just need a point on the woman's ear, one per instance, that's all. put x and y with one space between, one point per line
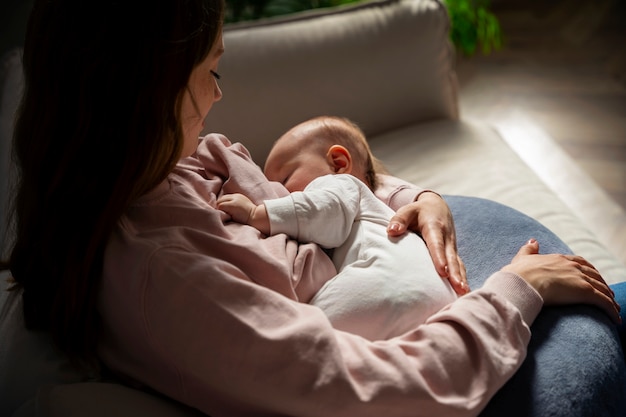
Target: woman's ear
339 159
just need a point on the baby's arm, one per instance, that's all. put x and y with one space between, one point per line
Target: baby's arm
242 210
323 213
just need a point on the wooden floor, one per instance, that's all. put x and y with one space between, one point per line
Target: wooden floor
557 92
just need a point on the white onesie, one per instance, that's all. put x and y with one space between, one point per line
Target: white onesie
385 286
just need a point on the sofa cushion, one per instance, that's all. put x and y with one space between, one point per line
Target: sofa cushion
383 64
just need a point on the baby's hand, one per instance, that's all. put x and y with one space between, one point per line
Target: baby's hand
244 211
238 206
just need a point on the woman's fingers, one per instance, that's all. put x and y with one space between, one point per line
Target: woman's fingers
603 296
598 294
457 275
399 222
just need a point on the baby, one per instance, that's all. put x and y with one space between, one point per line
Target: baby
384 286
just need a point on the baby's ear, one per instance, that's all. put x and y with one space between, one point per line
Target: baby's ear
339 159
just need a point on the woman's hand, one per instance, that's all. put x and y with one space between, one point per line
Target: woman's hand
430 216
563 279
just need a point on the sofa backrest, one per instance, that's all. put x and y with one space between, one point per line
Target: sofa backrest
384 64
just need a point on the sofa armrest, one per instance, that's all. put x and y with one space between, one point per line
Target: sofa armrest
384 64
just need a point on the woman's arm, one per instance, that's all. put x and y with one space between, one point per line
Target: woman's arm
226 346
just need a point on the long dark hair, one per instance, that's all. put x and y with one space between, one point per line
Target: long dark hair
98 126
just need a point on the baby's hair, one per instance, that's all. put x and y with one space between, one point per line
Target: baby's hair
336 130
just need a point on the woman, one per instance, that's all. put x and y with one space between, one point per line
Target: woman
122 256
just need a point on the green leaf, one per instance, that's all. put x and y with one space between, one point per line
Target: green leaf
472 25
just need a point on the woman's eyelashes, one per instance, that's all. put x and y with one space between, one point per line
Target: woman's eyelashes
215 74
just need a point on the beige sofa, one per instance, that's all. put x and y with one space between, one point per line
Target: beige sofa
387 65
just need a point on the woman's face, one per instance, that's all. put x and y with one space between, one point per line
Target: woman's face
202 92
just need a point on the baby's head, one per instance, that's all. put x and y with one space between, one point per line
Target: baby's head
320 146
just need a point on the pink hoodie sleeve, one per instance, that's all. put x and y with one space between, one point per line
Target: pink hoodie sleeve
232 348
396 192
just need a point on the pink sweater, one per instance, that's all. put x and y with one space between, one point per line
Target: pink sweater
214 314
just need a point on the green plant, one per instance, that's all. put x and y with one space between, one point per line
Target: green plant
473 25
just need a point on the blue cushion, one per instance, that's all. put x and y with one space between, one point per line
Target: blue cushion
620 296
575 364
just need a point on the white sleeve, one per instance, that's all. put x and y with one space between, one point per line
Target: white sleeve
323 213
